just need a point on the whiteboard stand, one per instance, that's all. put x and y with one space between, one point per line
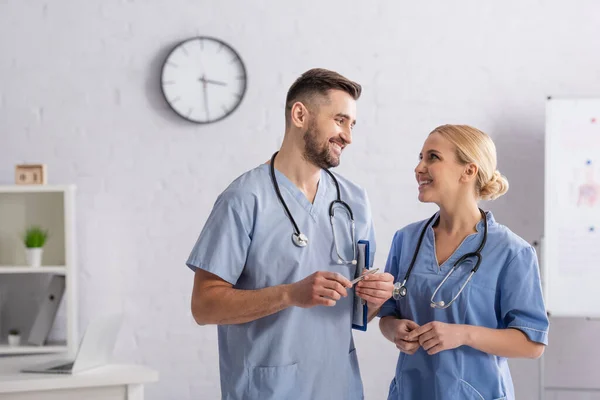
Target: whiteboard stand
541 360
542 380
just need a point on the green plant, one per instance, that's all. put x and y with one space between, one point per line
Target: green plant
35 237
13 332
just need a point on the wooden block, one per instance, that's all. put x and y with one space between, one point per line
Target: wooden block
30 174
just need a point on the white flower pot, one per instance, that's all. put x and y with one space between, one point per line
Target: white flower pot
14 340
34 256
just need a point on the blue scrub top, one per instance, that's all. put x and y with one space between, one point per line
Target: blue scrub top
297 353
504 293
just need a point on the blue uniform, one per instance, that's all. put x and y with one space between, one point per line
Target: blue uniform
297 353
504 293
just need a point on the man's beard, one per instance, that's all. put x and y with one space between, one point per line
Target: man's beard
315 153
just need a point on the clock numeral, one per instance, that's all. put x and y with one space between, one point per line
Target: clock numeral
171 64
220 48
184 50
239 78
235 59
189 112
168 82
176 99
201 43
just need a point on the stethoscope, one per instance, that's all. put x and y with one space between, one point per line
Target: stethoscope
400 290
300 238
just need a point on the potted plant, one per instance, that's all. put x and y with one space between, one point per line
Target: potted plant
14 337
34 238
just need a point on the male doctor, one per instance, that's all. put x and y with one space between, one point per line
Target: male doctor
269 269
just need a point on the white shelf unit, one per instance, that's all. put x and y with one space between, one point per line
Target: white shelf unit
52 207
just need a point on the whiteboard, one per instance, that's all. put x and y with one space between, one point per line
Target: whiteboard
571 246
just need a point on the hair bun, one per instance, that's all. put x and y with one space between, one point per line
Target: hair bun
495 187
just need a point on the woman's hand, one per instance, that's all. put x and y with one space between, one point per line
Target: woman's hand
397 331
439 336
376 289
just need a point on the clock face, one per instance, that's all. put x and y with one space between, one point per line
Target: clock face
203 79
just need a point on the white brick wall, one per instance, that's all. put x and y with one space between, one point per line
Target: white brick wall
79 91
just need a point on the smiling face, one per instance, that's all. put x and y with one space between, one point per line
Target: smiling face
329 129
441 177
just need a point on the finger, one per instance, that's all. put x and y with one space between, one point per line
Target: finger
335 285
428 344
412 325
375 285
369 299
404 336
385 277
407 347
373 292
426 336
334 276
412 349
329 293
409 326
419 331
435 349
323 301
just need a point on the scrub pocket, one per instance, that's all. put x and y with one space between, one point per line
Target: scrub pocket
467 391
273 383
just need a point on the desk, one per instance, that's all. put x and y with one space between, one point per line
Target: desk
112 381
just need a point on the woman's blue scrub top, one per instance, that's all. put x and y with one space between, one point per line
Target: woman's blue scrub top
504 293
297 353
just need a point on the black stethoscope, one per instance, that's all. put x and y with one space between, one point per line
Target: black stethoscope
400 288
300 238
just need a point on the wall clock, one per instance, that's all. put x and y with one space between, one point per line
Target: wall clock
203 79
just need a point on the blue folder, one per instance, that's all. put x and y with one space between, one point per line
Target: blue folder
360 311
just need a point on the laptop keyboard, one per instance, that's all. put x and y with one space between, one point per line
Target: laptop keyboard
64 367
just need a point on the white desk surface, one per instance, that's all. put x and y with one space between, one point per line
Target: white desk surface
11 380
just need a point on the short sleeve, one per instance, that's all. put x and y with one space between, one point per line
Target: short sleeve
222 247
521 299
392 266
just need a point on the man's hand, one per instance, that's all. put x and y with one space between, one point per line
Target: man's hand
323 288
439 336
376 289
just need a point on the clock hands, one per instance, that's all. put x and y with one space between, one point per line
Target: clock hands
205 81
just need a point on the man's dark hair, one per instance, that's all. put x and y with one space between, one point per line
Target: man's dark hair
318 81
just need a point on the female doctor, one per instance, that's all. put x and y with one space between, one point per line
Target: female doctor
468 293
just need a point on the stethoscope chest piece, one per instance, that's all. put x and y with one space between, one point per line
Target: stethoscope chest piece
299 239
402 291
399 291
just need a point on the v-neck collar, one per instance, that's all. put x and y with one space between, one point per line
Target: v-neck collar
443 268
297 194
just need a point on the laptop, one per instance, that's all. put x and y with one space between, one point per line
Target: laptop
95 348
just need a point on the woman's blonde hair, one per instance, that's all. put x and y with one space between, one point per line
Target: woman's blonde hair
474 146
